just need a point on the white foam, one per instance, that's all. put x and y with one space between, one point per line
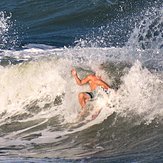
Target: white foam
140 94
49 75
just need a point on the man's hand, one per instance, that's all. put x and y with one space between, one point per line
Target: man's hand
73 72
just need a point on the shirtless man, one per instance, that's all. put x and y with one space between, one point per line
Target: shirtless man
94 82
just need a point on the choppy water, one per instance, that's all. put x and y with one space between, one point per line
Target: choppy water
40 42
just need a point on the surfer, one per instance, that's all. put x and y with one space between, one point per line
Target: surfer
94 82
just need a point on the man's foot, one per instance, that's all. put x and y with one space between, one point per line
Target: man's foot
96 114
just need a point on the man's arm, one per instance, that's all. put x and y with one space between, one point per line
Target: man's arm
104 85
78 81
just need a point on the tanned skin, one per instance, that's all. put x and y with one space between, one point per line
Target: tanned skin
94 82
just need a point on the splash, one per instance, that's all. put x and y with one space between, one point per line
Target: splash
8 35
4 27
141 94
148 34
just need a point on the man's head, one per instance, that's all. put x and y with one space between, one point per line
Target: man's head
100 72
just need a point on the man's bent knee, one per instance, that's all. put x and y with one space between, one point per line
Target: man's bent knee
81 95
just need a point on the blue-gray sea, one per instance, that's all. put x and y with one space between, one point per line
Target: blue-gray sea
41 41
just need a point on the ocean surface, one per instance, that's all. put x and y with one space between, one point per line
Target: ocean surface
40 42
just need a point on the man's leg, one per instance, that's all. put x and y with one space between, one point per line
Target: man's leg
83 98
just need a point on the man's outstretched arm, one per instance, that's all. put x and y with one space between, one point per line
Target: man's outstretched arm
78 81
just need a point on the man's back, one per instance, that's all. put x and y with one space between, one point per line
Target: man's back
95 81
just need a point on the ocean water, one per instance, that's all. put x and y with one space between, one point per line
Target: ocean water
40 42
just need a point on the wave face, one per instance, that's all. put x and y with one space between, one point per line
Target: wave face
119 40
